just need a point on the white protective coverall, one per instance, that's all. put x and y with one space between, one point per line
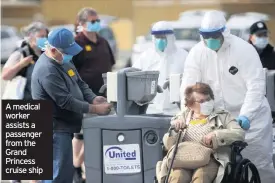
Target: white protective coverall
242 93
170 61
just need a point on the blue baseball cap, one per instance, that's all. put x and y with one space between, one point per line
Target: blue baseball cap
64 39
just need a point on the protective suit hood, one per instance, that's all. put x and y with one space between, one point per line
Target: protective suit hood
214 21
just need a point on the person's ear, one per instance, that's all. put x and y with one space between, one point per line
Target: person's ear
53 50
83 24
250 37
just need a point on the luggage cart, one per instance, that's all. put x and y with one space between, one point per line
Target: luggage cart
125 147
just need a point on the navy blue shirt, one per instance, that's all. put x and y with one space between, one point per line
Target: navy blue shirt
62 85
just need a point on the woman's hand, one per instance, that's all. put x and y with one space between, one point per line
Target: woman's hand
178 124
207 139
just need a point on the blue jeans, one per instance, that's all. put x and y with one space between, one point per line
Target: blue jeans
63 169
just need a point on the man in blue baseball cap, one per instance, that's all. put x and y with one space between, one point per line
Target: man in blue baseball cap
56 79
64 40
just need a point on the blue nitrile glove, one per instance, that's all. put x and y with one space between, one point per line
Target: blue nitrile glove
244 122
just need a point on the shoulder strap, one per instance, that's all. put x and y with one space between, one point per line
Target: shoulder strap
24 50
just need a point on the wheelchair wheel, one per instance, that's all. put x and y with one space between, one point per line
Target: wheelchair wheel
255 177
246 172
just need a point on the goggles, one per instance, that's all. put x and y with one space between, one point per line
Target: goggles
214 33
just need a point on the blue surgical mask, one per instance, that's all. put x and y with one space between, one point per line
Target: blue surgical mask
41 43
93 27
261 42
161 44
65 57
213 44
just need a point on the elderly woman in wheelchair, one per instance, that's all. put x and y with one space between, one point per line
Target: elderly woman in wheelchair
204 140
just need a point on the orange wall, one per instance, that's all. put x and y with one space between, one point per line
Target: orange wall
18 16
144 16
68 9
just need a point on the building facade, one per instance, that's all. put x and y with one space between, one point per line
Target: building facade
136 15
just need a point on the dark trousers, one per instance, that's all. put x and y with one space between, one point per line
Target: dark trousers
63 169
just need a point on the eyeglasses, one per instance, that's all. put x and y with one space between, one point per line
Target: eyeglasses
94 21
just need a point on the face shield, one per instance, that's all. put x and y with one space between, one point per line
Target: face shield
163 37
160 39
213 39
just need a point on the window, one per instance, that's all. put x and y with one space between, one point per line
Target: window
106 33
236 32
187 34
4 34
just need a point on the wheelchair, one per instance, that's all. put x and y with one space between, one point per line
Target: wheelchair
237 170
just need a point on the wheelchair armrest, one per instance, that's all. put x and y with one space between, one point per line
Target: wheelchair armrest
236 149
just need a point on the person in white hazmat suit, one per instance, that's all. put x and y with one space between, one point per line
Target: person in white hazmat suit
164 56
234 71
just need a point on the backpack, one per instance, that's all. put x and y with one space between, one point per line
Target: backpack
25 51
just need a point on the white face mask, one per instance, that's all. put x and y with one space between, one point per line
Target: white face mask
207 107
261 42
